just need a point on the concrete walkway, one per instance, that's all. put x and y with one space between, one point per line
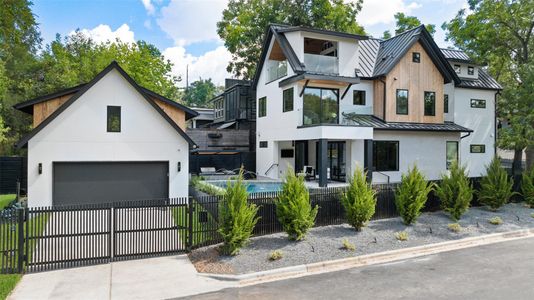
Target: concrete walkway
153 278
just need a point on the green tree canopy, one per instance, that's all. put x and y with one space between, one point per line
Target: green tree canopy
200 92
499 33
404 23
244 22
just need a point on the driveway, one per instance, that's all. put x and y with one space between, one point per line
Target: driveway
154 278
498 271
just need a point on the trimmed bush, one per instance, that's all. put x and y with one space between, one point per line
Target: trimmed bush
293 207
347 245
237 217
527 186
411 195
359 201
276 255
455 191
455 227
496 186
495 221
401 236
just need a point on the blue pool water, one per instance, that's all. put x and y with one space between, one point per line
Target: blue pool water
254 187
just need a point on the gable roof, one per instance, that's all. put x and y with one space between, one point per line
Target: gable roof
84 88
456 55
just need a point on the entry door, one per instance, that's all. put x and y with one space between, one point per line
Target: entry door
336 160
301 155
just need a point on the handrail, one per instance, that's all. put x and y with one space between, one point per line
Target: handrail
387 176
269 169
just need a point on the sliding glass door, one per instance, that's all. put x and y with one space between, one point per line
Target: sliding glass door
321 106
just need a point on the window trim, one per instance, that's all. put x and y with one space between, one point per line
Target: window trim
260 107
407 102
364 97
397 162
263 144
445 103
483 148
470 70
292 99
434 104
335 91
108 115
416 57
457 152
473 105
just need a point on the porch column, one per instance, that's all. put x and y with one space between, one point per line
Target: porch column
368 159
323 162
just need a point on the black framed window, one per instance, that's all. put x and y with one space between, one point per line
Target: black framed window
385 156
402 102
446 103
470 70
321 106
451 152
477 148
114 119
262 107
478 103
358 98
287 101
263 144
416 57
430 103
457 69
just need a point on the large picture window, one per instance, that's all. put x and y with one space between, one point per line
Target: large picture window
386 156
402 102
430 103
287 101
114 119
452 152
262 107
321 106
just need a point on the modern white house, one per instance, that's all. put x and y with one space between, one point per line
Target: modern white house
327 101
106 140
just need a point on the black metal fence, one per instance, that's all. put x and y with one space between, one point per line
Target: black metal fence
12 170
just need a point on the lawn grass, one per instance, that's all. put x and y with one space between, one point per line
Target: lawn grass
8 283
203 232
6 199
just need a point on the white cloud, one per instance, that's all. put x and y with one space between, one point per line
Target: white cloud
191 21
147 24
378 12
103 33
211 64
150 9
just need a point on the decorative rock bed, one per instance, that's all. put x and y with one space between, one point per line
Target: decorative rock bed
325 243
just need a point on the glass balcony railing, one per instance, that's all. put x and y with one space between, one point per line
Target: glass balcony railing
276 69
321 64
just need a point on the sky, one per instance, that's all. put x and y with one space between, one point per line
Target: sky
185 30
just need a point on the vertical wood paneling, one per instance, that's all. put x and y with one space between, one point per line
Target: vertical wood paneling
43 110
176 114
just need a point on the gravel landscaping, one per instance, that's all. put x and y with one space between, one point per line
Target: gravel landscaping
325 243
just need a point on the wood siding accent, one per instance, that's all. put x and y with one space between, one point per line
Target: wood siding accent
378 99
43 110
416 78
176 114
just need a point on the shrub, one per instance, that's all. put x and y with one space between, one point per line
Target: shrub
276 255
532 215
237 217
455 191
495 221
195 180
347 245
527 186
496 186
209 188
359 200
411 195
293 207
401 235
455 227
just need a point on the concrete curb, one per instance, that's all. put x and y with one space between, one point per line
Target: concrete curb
370 259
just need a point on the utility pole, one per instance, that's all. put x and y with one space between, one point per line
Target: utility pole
186 77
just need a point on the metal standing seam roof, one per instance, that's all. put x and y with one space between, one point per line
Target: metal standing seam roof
456 55
376 123
368 52
484 81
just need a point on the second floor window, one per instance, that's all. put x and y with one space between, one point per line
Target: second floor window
359 98
287 101
262 107
470 70
114 119
446 103
321 106
416 57
430 103
457 69
402 102
478 103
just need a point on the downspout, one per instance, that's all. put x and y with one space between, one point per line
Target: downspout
384 98
495 123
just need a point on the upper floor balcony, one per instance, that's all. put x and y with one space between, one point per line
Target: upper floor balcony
322 64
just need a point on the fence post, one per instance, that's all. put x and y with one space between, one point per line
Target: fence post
189 243
21 238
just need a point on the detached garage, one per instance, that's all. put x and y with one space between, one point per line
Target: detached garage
104 141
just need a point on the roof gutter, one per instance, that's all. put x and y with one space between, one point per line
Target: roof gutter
384 108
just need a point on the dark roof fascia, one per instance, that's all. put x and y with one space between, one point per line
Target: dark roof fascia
190 113
27 106
460 86
325 32
290 54
471 62
111 66
309 76
423 129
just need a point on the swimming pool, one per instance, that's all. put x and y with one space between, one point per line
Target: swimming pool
253 186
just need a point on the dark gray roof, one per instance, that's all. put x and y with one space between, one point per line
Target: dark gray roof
456 55
376 123
368 51
314 76
321 31
484 81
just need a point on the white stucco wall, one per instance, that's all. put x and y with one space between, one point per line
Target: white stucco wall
426 149
79 134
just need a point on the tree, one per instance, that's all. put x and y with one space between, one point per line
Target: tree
359 200
404 23
496 186
386 35
499 33
244 22
455 191
200 93
411 195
